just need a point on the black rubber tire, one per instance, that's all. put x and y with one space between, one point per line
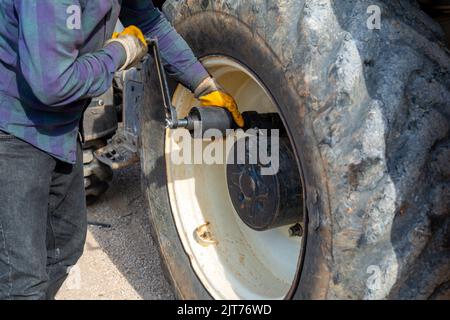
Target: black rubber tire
97 176
369 110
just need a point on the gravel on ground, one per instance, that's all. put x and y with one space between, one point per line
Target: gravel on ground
120 260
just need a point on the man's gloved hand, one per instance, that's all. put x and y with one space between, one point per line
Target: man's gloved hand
133 41
211 94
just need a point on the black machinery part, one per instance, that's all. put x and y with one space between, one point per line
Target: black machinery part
266 202
202 119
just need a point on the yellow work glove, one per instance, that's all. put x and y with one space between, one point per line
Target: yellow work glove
211 95
133 41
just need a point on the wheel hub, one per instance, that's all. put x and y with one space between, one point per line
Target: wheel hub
265 202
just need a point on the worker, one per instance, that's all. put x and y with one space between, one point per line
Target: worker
54 57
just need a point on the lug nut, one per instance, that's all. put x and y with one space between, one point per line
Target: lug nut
296 231
203 235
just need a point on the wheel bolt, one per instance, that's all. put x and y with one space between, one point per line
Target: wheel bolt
296 231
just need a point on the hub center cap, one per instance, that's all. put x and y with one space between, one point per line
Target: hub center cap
265 201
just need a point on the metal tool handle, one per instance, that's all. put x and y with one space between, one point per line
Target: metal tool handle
171 113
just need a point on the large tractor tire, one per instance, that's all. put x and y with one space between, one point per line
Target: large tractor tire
367 112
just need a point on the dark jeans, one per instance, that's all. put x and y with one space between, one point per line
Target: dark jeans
42 220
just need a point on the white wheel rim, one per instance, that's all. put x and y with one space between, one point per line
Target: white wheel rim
244 264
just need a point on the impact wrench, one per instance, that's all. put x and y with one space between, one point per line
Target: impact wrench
206 117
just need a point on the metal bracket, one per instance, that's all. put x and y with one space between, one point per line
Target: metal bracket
119 153
133 91
122 149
